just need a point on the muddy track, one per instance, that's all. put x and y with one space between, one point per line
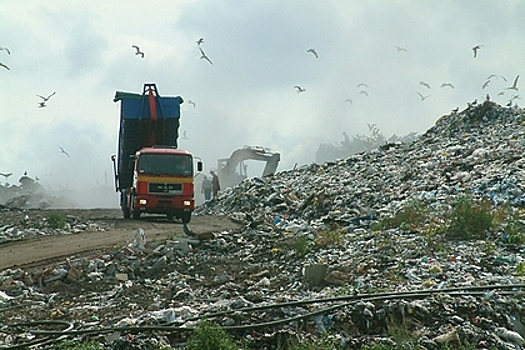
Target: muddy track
44 250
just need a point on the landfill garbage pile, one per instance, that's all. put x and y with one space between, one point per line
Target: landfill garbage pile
18 224
420 242
30 195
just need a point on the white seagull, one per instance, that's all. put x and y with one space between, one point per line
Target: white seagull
399 48
423 98
6 175
313 52
46 98
363 92
200 41
5 66
447 84
203 56
137 51
299 89
6 49
191 103
63 151
514 85
424 84
476 49
496 76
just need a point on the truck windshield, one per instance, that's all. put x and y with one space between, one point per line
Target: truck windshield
165 164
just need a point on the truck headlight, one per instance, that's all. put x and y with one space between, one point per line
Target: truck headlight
186 203
143 201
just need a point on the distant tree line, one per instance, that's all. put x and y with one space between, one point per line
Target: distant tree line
358 143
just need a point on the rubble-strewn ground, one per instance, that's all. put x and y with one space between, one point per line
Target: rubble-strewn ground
419 244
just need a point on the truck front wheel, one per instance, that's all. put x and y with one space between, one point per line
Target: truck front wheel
136 214
185 217
124 205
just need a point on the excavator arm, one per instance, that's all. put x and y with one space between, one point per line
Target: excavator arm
227 171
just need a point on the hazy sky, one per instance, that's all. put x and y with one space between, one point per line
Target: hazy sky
82 50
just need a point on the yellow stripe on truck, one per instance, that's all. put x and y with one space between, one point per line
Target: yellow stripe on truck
167 180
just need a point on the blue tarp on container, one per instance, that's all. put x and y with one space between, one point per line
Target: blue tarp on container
134 106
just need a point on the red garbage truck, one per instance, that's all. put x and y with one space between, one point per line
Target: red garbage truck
151 174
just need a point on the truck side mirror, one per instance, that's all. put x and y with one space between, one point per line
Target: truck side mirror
199 166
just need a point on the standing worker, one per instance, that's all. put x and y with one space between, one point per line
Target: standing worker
206 188
215 185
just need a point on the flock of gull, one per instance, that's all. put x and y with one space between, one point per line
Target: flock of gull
361 86
300 89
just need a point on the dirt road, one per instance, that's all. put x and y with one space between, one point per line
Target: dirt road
45 249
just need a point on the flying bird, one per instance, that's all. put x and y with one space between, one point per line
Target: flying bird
514 85
313 52
447 84
476 49
3 65
371 127
46 98
361 84
203 56
485 84
363 92
423 98
399 48
64 151
42 104
200 41
299 89
496 76
137 51
5 49
191 103
349 101
6 175
501 93
184 136
424 84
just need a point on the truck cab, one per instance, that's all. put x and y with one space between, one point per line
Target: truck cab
163 182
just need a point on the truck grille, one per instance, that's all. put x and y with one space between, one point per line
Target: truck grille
165 188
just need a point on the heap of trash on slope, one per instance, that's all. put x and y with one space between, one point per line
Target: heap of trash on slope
320 255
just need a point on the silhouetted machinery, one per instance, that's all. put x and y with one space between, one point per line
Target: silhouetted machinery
233 170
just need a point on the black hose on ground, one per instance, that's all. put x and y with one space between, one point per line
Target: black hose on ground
350 299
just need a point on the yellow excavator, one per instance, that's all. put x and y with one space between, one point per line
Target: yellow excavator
233 170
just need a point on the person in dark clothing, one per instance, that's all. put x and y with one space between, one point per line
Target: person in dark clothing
206 188
215 185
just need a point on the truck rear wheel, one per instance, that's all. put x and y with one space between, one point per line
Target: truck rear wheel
124 205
